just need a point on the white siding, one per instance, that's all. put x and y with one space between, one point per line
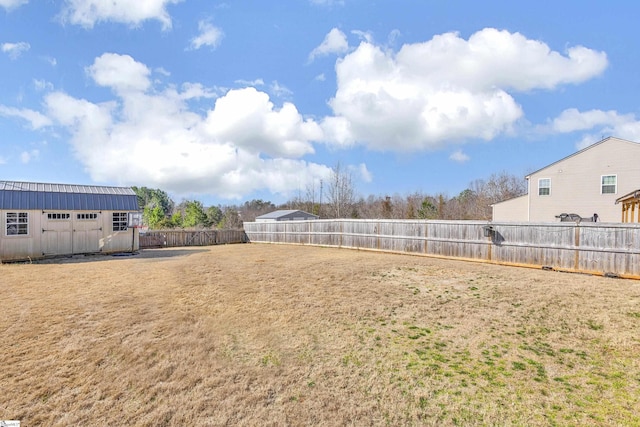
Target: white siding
64 237
512 210
576 182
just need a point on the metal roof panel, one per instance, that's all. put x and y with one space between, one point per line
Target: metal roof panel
34 196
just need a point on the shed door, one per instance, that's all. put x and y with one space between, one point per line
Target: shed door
86 232
57 233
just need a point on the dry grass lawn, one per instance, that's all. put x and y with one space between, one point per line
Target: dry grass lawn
289 335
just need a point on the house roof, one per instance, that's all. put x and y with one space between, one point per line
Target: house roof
284 212
582 151
34 195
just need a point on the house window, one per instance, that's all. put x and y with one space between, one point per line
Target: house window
17 223
119 221
86 216
609 184
544 187
58 216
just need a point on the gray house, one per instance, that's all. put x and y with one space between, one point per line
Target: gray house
585 183
286 215
41 220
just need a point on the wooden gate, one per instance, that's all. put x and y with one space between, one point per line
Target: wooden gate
57 230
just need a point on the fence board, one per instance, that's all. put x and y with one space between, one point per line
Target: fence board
599 248
178 238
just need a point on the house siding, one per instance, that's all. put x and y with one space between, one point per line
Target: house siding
576 182
513 210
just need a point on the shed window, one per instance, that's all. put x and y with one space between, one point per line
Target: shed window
17 223
119 221
86 216
609 184
58 216
544 187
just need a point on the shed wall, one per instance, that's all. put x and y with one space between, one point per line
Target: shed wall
51 237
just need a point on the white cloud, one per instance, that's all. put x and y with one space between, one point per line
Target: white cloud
459 156
120 72
393 37
197 91
12 4
280 91
335 42
320 77
87 13
51 60
498 58
572 120
27 156
208 35
162 71
3 160
362 172
14 50
41 85
256 82
363 35
597 124
445 89
36 120
248 118
243 142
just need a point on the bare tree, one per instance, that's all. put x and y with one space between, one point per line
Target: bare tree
497 188
341 197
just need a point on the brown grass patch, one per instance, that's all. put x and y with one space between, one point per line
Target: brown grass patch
289 335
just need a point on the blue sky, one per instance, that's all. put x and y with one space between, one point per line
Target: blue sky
229 101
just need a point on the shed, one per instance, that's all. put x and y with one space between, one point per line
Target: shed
286 215
630 206
41 220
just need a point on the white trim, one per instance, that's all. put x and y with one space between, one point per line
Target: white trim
602 184
17 223
548 188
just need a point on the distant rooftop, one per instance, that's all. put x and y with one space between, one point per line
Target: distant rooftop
278 214
284 214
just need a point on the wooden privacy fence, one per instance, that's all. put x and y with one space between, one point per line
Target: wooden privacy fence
594 248
176 238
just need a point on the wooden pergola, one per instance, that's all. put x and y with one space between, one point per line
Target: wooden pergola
630 206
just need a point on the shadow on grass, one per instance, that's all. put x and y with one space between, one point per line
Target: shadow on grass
96 257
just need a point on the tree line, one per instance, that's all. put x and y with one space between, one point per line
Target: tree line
339 201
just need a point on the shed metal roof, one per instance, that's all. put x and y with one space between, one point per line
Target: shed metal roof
33 196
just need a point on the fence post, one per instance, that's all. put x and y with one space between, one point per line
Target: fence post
426 237
576 258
